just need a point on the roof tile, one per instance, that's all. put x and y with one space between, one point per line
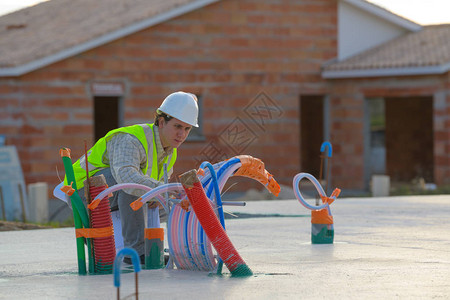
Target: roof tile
52 26
427 47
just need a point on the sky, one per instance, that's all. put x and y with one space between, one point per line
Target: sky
424 12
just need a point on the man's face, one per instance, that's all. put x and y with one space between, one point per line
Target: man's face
173 133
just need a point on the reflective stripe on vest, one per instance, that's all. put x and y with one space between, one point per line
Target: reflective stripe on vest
95 155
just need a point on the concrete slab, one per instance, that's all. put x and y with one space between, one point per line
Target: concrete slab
393 247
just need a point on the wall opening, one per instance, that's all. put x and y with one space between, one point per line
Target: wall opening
311 132
377 136
409 138
107 115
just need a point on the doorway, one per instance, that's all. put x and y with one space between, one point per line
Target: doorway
312 126
409 138
399 138
107 115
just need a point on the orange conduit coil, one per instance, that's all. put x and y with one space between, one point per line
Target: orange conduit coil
254 168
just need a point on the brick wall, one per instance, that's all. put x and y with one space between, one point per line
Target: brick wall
442 133
346 135
228 52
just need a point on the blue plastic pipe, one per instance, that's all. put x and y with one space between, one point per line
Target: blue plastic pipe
118 263
330 148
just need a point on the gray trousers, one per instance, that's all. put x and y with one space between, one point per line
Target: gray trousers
133 223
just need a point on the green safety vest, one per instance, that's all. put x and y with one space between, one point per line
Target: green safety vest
95 155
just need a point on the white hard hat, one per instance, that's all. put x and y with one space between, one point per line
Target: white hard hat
182 106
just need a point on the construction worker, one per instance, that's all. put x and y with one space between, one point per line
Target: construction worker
136 154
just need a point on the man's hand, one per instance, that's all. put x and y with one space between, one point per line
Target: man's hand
185 204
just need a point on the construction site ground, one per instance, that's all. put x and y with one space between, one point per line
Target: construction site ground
384 248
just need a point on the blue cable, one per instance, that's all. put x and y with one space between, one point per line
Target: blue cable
215 185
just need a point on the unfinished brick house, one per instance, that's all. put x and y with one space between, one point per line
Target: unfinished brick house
275 79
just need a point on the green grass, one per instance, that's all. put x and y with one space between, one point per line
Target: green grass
55 224
409 190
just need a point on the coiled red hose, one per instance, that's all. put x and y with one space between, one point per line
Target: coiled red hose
213 229
104 247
